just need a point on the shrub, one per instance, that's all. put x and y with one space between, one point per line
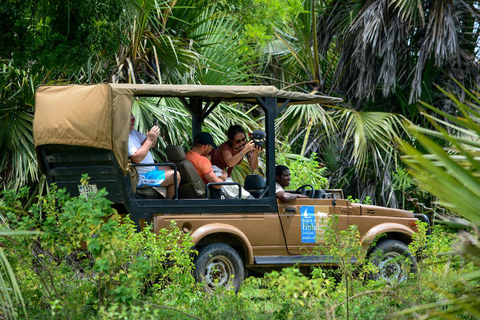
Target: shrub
303 170
58 276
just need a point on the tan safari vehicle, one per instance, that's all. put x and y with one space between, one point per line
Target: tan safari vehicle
84 129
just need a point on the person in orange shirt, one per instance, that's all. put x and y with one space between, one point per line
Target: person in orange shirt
203 145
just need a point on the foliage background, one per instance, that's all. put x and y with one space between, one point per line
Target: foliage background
382 57
330 47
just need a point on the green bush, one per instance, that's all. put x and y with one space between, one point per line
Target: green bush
123 274
367 200
58 276
303 170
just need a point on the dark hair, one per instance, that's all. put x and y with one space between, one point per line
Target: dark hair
280 169
233 130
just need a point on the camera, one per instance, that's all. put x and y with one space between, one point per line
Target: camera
258 137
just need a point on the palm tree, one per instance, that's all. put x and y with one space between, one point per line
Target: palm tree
451 174
399 47
356 146
45 43
17 157
151 54
160 42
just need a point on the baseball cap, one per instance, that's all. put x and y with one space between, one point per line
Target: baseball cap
204 138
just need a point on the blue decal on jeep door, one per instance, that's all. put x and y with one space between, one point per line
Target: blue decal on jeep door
308 224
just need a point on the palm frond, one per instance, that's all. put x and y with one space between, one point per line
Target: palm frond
410 10
174 121
450 173
370 132
152 54
8 281
17 157
216 39
449 170
298 116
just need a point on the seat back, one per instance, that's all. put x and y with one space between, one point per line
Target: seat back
191 185
255 184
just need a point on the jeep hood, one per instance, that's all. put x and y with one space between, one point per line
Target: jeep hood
369 210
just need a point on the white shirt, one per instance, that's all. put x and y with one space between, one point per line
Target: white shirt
135 140
278 188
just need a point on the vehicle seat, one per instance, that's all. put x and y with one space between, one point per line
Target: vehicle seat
152 192
146 192
255 184
191 185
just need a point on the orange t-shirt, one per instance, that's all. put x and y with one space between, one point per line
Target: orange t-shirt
201 164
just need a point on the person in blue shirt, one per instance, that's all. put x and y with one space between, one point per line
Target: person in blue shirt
139 146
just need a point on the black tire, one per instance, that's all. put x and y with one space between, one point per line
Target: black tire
218 264
393 261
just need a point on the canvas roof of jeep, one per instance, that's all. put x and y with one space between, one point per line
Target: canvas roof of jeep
99 115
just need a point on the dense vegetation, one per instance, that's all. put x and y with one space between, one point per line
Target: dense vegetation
293 44
407 70
122 274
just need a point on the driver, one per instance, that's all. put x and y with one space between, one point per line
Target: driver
282 176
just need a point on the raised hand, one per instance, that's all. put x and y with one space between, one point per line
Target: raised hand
152 134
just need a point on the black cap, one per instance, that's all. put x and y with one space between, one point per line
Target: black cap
204 138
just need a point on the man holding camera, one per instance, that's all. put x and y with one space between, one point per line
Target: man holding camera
139 146
232 152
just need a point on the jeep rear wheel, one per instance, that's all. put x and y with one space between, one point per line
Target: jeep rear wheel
393 261
218 264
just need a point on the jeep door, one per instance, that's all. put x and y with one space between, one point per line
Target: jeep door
304 222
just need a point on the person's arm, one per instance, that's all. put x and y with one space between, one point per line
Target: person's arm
253 158
287 196
232 160
211 177
149 142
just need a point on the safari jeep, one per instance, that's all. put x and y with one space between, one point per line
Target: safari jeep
84 129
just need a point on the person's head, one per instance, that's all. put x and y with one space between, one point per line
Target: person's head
282 175
132 121
204 143
236 136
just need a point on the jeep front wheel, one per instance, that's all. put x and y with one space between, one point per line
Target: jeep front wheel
218 264
393 261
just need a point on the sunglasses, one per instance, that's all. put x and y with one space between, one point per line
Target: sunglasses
241 140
